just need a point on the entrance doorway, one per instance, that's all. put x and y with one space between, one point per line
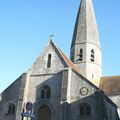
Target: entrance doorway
44 113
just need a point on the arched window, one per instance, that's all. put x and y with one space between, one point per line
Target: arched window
49 61
80 55
92 56
72 55
45 92
11 109
85 110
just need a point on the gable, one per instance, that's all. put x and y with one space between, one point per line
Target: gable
13 90
78 82
41 64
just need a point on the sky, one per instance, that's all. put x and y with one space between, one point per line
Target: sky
26 26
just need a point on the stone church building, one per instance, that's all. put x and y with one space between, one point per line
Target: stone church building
60 88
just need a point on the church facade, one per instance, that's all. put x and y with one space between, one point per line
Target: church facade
59 88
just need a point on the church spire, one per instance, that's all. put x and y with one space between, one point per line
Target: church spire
85 46
85 27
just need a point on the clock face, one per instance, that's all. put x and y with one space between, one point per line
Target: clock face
84 91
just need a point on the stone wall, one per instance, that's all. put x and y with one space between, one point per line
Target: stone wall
116 99
13 94
101 106
41 75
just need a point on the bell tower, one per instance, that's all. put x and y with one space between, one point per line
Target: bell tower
85 46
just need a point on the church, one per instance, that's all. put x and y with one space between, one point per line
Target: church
60 88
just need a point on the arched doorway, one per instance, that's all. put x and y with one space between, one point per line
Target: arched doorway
44 113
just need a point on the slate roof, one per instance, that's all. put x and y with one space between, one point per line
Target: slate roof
110 85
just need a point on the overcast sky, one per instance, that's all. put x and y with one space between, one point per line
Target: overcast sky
25 27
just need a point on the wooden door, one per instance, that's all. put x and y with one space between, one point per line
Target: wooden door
44 113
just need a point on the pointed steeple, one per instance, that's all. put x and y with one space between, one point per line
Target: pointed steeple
85 46
85 27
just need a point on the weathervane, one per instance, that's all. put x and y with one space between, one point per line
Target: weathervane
51 37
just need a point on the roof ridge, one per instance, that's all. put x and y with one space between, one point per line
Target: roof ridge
66 59
110 76
69 62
